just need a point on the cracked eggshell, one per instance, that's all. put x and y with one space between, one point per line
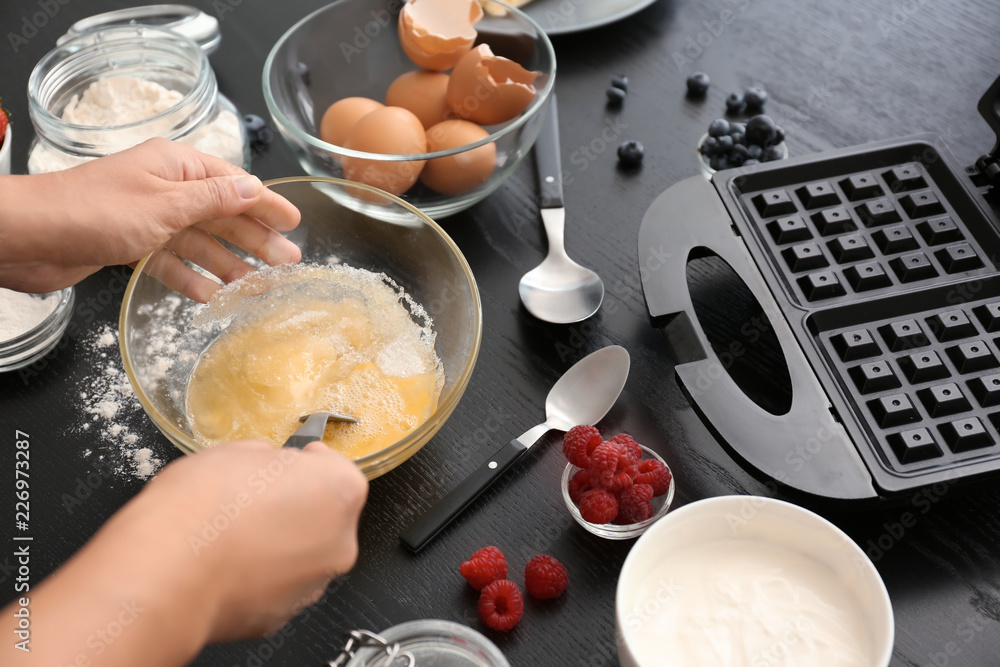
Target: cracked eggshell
462 172
390 131
489 89
435 34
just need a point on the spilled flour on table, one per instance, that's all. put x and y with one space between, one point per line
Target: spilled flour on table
111 418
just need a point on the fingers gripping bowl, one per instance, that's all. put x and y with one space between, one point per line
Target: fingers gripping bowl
161 344
351 49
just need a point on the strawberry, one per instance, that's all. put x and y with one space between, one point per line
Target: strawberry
3 123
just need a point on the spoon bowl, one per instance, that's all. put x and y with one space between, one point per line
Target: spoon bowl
561 291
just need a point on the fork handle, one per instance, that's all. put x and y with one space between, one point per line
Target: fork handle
547 159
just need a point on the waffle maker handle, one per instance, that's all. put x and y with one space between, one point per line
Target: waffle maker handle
806 448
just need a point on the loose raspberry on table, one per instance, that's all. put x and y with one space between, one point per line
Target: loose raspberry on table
633 503
612 466
579 484
501 605
629 443
545 577
655 474
579 443
598 506
484 567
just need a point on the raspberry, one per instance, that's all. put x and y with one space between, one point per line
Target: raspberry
633 504
655 474
579 484
629 443
612 466
579 443
484 567
501 605
598 506
545 577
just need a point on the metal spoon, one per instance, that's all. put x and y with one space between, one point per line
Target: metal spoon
558 290
583 395
313 428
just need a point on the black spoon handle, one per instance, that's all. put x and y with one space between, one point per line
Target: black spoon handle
445 510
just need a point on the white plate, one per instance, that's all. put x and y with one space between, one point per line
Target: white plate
558 17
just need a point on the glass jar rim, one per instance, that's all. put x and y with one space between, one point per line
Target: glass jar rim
100 39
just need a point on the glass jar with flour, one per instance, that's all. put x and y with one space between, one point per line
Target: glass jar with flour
112 88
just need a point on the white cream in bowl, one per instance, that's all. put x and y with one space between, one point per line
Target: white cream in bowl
742 581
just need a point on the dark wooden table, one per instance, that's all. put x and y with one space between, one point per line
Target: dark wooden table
839 74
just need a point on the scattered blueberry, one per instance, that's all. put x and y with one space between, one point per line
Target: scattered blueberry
697 84
302 70
620 82
630 153
615 96
735 104
761 130
710 147
257 130
718 128
755 98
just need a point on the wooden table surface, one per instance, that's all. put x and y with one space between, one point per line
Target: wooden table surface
839 74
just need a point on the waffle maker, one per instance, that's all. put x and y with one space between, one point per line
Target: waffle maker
878 267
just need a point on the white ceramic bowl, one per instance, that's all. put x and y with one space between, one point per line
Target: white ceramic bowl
653 586
5 152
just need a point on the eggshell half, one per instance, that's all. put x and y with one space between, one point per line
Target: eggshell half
435 34
422 92
391 131
489 89
461 172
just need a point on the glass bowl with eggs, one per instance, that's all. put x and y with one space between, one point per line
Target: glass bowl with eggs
436 101
381 321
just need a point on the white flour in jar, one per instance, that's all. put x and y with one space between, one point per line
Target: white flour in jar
20 313
122 100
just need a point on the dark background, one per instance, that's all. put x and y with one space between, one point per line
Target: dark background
839 74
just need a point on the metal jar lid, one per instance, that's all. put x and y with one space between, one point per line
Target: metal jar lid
189 21
425 643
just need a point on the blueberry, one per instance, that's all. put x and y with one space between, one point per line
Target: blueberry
718 128
735 104
755 98
750 162
755 152
772 153
302 70
737 127
739 152
630 153
620 82
779 135
725 145
257 130
760 130
697 84
739 139
719 162
710 147
615 96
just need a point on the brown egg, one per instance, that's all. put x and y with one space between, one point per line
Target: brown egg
435 34
461 172
341 117
422 92
391 131
489 89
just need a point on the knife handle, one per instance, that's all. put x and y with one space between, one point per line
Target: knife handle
547 159
445 510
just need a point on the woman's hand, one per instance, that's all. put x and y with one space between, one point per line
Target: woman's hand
58 228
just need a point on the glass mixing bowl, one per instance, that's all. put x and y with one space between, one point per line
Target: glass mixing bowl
160 345
350 48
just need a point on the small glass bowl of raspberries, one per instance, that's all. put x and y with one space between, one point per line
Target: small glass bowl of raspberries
614 488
